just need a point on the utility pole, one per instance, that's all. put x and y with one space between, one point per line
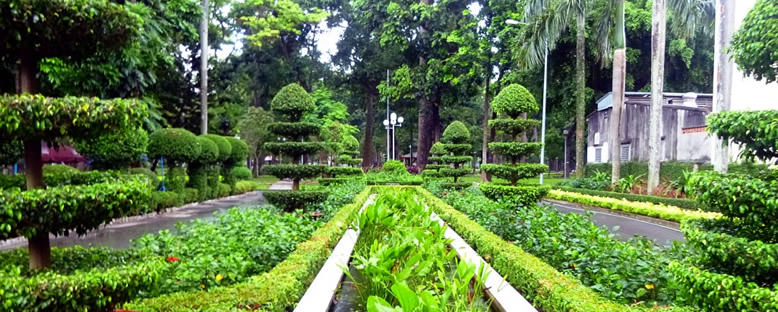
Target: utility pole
204 69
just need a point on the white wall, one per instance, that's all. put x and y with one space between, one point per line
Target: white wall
747 93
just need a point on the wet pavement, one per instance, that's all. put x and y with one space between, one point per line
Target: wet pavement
661 231
119 233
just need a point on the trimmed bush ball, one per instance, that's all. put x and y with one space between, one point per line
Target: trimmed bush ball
241 173
394 166
225 148
514 100
456 133
175 144
240 150
114 150
350 144
209 151
291 103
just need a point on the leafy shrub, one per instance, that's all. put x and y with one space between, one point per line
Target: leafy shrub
176 179
241 173
11 152
514 173
513 127
189 195
456 133
668 171
291 103
344 171
58 172
626 184
229 249
114 150
721 292
150 175
394 167
513 100
209 151
224 146
224 190
245 187
333 181
756 130
526 194
677 202
13 181
294 130
198 179
174 144
626 272
656 210
294 171
280 288
163 200
239 150
350 145
60 210
291 201
294 149
515 150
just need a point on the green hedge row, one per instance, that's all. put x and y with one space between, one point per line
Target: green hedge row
277 290
721 292
668 171
661 211
678 202
547 288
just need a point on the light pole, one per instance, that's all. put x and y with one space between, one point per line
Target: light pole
511 21
565 132
390 124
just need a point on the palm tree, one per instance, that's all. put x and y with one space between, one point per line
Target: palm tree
547 20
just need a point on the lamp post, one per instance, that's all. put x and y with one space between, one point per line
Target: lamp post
390 124
511 21
565 132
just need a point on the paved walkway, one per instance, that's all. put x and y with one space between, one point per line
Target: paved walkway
629 225
119 233
281 185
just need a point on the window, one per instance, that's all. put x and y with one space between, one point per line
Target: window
596 138
625 152
598 155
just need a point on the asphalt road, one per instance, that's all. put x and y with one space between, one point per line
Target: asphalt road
663 232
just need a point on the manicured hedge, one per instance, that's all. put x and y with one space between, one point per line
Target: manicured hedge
545 287
277 290
295 130
292 171
292 200
668 171
665 212
527 194
712 291
163 200
678 202
344 171
175 144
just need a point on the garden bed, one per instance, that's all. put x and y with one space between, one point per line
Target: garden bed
402 262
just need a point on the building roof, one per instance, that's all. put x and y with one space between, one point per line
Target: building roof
606 101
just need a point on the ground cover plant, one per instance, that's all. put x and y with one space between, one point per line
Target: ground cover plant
629 272
513 101
404 263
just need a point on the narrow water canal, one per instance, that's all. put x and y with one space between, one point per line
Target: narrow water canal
120 234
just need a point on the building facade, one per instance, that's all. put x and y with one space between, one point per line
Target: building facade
683 128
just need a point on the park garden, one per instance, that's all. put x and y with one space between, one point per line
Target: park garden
281 201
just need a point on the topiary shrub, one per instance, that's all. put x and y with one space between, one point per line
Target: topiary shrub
291 201
241 173
176 145
291 103
150 175
240 151
736 269
198 168
163 200
514 100
394 167
432 170
189 195
456 138
176 179
225 148
114 150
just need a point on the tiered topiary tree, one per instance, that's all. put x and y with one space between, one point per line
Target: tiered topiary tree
349 148
737 266
289 106
214 172
33 30
198 168
436 163
513 101
456 139
238 154
175 146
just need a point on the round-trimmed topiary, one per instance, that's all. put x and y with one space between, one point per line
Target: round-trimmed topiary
209 151
225 148
174 144
239 151
456 147
394 167
114 150
456 133
514 100
291 103
241 173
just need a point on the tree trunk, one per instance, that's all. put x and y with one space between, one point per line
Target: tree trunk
619 85
367 141
580 100
204 69
658 27
723 67
295 184
428 115
485 124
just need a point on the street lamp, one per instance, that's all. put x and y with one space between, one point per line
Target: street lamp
565 133
511 21
393 122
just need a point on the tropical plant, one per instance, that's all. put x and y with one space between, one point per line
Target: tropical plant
627 184
755 43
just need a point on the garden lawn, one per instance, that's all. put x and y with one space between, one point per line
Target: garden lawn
264 181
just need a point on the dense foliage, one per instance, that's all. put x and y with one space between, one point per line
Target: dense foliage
114 150
758 131
755 44
455 138
175 145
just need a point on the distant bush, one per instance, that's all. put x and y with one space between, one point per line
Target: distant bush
163 200
241 173
394 166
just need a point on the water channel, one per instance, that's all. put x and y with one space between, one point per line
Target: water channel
119 234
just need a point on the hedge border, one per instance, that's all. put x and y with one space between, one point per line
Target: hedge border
536 280
660 211
678 202
276 290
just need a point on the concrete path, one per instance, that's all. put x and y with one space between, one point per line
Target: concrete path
118 233
629 225
281 185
